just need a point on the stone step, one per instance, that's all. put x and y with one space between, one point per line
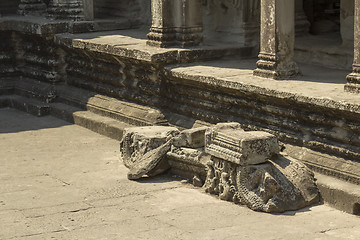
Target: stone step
64 111
7 86
339 194
103 125
124 111
32 106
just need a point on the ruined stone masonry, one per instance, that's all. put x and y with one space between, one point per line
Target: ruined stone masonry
280 69
244 166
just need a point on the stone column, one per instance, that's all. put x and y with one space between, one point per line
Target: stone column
353 79
188 22
175 23
71 9
31 7
277 39
162 31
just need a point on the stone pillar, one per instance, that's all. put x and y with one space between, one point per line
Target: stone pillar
302 24
188 22
31 7
353 79
162 31
175 23
71 9
277 39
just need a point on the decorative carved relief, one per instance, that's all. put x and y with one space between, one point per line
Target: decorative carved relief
275 186
254 176
245 168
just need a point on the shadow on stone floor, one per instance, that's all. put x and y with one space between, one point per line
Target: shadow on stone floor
12 121
162 178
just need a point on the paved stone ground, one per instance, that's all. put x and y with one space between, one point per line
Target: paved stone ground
61 181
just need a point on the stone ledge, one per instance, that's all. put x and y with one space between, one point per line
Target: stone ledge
339 194
48 28
321 90
131 44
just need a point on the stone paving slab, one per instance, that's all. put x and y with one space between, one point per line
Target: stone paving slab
61 181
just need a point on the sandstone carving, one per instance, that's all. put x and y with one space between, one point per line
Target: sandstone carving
152 163
241 147
138 141
244 167
278 185
192 138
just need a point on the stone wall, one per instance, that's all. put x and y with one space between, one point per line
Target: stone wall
117 77
9 6
7 55
38 58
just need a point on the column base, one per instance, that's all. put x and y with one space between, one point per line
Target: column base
161 37
353 81
185 37
189 37
72 10
269 67
36 9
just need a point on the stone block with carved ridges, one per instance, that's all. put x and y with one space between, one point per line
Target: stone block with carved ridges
240 147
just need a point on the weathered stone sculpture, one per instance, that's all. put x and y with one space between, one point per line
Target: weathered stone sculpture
240 166
246 168
31 7
143 149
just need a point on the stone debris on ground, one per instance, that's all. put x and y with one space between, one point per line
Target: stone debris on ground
244 166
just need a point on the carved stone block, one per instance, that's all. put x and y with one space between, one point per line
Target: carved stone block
138 141
246 167
151 163
240 147
279 185
192 138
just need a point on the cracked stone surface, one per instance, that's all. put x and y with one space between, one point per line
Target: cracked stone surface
61 181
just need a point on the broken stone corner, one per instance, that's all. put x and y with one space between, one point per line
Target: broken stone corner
244 167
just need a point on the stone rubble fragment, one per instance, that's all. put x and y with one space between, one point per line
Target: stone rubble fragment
240 166
246 168
241 147
191 138
137 141
151 163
